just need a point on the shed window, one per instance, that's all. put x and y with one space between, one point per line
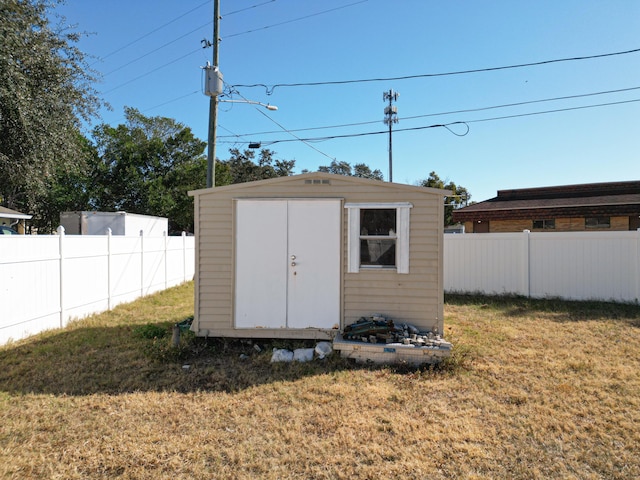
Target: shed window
378 236
597 222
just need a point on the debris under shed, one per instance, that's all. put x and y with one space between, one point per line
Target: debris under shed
380 340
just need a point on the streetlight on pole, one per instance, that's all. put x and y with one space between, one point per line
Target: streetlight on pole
268 106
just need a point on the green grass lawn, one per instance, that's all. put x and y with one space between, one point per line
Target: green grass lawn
534 389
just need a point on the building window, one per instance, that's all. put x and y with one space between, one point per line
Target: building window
378 236
597 222
548 224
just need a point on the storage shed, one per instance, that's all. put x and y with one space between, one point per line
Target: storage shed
304 256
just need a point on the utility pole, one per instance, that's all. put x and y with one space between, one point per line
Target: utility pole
213 99
390 118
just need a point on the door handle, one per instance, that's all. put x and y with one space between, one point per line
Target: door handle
293 257
293 264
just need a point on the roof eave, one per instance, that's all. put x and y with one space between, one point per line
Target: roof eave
547 212
312 175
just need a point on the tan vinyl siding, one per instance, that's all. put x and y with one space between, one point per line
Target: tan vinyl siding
215 258
413 298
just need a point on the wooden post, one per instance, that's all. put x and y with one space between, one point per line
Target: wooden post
175 336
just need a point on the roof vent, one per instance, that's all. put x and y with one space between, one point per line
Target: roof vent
317 181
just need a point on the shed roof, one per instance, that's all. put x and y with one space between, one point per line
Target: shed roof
612 198
8 213
318 177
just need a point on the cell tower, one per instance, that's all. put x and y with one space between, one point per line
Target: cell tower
391 117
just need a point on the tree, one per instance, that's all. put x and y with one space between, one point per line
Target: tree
241 168
344 168
364 171
45 92
460 195
146 166
337 168
67 190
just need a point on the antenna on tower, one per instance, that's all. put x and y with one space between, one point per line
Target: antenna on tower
391 117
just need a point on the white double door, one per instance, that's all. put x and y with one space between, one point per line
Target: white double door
287 263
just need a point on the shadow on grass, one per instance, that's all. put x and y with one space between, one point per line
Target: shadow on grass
559 310
117 360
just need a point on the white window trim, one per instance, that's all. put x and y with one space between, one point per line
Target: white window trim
402 235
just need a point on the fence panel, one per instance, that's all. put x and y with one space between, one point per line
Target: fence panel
585 265
126 267
47 280
572 265
153 264
177 269
29 285
85 275
491 263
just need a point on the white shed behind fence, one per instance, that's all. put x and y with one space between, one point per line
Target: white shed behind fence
120 223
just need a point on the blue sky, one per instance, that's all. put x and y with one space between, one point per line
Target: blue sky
150 55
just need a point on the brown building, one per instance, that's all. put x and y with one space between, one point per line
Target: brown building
569 208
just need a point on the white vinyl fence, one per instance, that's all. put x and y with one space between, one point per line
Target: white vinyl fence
48 280
572 265
45 281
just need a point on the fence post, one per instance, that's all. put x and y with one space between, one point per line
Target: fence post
184 256
526 274
60 231
141 263
109 268
166 261
638 266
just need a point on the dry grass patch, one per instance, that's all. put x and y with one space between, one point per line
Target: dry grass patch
535 389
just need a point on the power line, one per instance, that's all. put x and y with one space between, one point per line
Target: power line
232 134
292 134
364 134
451 112
357 124
247 8
171 101
270 89
175 39
506 105
154 31
152 71
156 49
293 20
446 125
567 109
